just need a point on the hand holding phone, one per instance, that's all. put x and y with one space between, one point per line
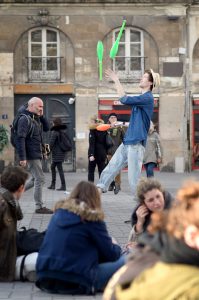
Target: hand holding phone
141 213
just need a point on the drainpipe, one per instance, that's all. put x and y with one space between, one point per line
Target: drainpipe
187 109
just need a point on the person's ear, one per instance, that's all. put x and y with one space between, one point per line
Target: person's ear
190 234
21 189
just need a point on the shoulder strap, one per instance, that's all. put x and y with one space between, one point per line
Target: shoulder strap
31 129
30 123
22 268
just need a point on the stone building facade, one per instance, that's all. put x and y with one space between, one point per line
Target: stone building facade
48 49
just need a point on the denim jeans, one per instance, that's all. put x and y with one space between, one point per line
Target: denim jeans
35 169
117 179
105 272
149 169
131 155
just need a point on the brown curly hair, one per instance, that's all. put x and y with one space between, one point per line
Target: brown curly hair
184 212
145 185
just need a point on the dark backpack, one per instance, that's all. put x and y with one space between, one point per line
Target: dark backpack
29 240
64 141
13 128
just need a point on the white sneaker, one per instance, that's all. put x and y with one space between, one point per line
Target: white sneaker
66 192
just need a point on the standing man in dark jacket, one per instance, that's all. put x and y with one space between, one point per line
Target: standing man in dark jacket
29 147
58 154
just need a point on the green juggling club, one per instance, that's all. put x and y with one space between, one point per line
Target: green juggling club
114 49
100 51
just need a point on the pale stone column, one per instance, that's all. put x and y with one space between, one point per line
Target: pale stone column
86 107
171 127
6 99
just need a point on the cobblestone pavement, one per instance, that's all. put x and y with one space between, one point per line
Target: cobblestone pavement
117 209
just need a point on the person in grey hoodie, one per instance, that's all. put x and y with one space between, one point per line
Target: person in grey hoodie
153 152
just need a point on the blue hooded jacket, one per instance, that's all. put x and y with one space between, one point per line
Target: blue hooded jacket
75 243
142 111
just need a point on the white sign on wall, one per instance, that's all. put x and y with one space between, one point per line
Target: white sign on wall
81 135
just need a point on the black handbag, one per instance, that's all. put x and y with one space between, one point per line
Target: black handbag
29 240
109 141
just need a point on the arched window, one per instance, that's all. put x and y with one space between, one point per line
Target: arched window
129 62
43 55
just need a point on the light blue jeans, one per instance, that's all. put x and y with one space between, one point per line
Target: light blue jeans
105 271
131 155
35 168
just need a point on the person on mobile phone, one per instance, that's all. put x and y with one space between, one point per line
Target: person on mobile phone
151 197
29 148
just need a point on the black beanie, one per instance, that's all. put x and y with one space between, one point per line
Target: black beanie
112 114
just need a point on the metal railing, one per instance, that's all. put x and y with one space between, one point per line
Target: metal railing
129 68
44 68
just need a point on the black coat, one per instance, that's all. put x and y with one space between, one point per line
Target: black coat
29 146
58 154
97 144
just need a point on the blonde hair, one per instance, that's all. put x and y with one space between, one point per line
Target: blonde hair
59 204
156 78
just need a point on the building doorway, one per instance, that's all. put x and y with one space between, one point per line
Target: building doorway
55 105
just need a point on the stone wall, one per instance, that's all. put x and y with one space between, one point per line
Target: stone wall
81 25
6 98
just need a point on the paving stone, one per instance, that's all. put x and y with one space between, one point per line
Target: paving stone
117 209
